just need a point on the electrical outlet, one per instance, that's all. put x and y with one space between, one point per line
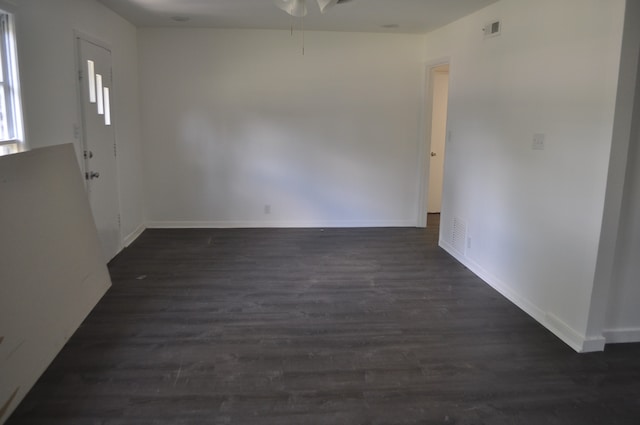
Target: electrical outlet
267 209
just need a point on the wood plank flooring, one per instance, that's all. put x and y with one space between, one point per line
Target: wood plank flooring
311 326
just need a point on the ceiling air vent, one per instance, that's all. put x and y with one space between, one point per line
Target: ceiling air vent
492 29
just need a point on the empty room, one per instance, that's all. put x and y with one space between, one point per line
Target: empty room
319 212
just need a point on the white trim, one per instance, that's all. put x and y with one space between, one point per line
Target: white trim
622 336
131 237
77 33
524 304
593 344
423 168
574 339
13 77
275 224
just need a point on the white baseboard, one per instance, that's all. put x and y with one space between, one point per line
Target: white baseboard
524 304
276 224
622 336
128 240
559 328
573 338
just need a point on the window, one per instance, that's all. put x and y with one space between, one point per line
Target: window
11 130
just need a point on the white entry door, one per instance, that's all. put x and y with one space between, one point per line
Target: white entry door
99 142
440 89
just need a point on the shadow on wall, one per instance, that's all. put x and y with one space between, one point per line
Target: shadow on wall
236 169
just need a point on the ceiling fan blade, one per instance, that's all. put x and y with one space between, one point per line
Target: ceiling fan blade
326 4
295 8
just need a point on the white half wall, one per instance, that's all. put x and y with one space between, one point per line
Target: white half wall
52 271
46 49
242 130
532 217
623 313
622 321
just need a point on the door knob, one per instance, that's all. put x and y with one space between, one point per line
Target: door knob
92 175
433 154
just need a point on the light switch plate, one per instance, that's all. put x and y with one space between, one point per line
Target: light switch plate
538 142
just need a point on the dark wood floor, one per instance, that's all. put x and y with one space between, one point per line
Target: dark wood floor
341 326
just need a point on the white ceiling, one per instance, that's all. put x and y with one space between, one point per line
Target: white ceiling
410 16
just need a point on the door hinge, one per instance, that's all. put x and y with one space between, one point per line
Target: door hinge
80 74
119 222
115 150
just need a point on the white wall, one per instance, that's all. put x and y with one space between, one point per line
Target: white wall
46 52
623 315
533 217
234 120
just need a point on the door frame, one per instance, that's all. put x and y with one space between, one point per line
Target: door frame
80 129
425 136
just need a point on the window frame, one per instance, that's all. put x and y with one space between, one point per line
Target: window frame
12 141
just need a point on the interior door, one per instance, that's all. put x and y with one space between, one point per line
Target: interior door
99 142
440 81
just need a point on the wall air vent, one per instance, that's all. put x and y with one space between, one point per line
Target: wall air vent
492 29
459 235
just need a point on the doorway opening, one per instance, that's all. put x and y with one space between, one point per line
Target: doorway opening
440 98
436 134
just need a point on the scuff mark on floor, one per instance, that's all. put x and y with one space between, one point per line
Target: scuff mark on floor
179 372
